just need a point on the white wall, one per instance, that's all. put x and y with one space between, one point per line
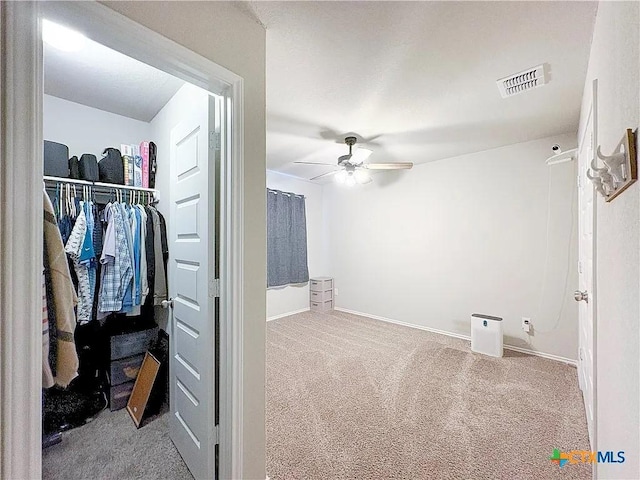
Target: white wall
615 62
222 33
291 298
89 130
450 238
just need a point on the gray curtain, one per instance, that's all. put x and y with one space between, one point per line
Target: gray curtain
286 239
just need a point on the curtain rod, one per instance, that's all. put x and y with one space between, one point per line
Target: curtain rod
288 194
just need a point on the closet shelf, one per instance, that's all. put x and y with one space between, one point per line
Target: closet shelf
104 187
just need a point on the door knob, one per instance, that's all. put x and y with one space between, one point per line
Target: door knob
167 303
581 296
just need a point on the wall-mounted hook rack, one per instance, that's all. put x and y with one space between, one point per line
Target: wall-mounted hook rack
620 168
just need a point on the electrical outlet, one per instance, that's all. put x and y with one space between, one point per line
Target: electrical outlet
526 324
335 291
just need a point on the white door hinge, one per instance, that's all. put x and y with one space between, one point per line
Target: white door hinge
216 435
214 288
214 140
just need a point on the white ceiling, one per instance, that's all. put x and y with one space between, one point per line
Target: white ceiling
418 79
102 78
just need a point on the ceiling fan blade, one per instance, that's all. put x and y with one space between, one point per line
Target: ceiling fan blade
325 175
388 166
317 163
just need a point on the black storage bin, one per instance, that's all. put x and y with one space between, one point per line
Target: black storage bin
119 395
133 343
88 167
125 369
56 159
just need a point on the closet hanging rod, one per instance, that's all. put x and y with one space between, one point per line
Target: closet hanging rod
99 187
98 184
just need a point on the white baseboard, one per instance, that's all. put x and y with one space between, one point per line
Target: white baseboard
282 315
528 351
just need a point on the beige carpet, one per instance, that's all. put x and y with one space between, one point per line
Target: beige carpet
350 397
112 448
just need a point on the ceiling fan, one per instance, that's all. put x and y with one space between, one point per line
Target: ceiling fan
352 167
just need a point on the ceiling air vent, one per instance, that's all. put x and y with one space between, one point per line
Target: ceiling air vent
521 82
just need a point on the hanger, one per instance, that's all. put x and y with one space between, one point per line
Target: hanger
58 199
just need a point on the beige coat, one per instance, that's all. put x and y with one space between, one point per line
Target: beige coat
65 298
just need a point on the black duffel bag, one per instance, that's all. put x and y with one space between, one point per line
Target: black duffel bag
110 166
74 168
88 168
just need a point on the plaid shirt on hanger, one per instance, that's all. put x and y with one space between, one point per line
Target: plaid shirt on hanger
116 264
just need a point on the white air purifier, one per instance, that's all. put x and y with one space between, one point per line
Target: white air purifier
486 335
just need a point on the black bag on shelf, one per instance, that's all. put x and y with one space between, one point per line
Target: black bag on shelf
110 166
89 168
153 164
74 168
56 159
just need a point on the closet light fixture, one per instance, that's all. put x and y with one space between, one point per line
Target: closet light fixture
61 37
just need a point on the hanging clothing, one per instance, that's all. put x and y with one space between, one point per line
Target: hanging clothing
144 280
134 221
151 257
47 374
97 231
160 277
137 257
88 255
74 248
51 313
64 296
127 301
116 273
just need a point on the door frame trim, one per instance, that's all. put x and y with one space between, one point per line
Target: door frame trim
21 101
583 134
20 240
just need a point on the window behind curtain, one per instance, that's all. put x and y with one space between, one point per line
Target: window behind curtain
286 239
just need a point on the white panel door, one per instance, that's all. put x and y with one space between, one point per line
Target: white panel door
585 294
192 246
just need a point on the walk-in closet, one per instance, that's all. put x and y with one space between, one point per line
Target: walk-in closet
129 241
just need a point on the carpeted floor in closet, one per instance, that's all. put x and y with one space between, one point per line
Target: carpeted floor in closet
112 448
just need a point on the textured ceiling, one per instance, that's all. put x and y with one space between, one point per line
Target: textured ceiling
102 78
418 79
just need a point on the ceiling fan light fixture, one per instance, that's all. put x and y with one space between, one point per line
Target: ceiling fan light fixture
341 176
362 176
360 155
350 181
